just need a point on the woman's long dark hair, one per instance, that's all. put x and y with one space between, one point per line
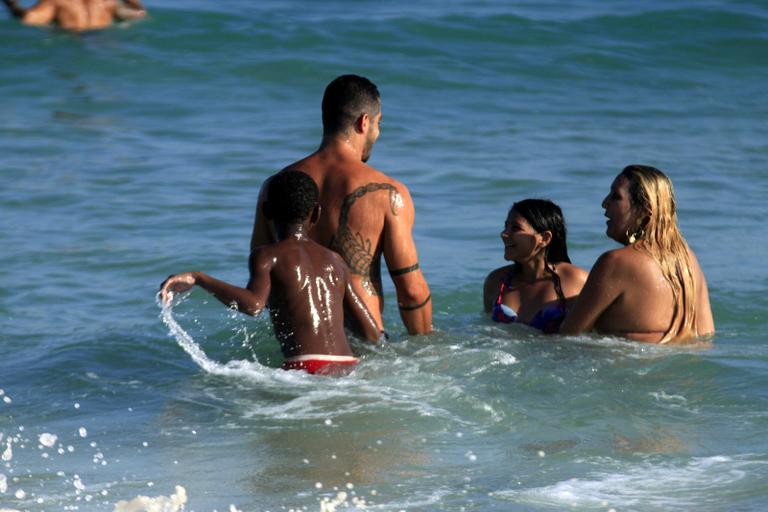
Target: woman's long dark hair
544 215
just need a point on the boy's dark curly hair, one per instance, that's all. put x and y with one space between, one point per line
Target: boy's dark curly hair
291 196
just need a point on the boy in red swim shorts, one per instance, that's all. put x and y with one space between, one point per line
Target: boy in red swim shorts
305 286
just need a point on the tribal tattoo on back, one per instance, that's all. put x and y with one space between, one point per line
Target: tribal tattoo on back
356 250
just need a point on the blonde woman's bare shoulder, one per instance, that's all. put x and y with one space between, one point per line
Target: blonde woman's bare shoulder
572 278
569 270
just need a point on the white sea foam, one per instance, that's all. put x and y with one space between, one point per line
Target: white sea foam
662 396
173 503
78 484
505 359
673 401
666 485
8 452
330 504
634 350
48 440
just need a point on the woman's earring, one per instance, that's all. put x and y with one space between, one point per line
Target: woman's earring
637 235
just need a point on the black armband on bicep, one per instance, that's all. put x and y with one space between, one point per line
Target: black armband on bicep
404 270
415 307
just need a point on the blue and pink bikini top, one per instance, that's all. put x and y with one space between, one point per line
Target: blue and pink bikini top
547 320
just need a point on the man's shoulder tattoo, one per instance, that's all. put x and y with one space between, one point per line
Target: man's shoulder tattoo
358 251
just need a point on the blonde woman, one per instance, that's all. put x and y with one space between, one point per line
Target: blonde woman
652 289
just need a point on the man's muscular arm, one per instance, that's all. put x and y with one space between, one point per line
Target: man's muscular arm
262 234
362 319
413 297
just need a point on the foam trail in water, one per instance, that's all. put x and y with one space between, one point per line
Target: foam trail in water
250 369
660 486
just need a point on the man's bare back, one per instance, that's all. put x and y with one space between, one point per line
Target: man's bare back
77 15
366 214
358 199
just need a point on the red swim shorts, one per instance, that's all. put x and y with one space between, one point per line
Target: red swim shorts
321 364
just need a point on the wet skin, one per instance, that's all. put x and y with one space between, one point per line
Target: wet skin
77 15
532 287
306 287
626 293
366 214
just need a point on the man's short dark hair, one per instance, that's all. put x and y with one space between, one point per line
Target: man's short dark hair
347 98
291 196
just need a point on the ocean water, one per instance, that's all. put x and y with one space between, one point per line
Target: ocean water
138 151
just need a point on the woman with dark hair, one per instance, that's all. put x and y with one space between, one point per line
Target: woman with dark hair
652 289
535 288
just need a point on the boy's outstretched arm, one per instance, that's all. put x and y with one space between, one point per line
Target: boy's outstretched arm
250 300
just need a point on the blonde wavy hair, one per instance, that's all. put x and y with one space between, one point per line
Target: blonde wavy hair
659 235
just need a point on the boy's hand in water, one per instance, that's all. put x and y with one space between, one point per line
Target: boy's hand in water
176 284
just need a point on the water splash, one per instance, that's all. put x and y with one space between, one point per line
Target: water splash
8 452
48 440
239 368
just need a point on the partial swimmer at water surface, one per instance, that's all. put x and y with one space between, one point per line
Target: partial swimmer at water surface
536 289
652 289
77 15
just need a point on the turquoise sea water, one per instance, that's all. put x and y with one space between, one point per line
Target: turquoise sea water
138 151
